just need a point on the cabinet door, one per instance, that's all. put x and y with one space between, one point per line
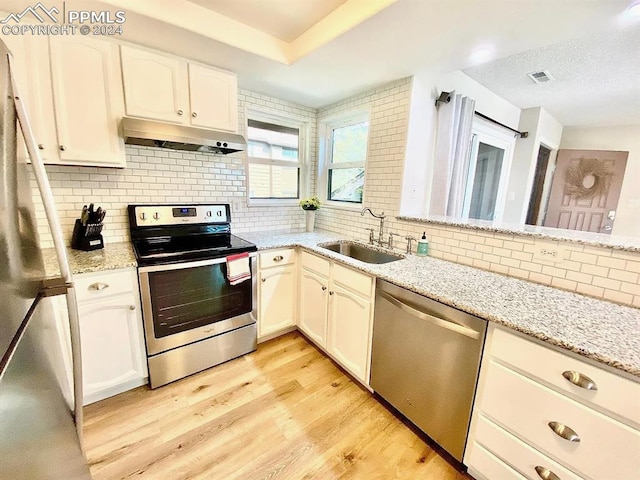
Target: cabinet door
87 95
313 306
349 330
33 77
214 98
155 86
277 299
112 348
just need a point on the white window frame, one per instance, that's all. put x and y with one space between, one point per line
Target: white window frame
489 134
286 120
326 126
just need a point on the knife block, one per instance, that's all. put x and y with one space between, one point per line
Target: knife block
87 237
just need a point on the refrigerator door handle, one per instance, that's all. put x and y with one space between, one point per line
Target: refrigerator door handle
56 232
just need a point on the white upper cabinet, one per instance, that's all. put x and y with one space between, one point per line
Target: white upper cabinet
155 86
31 71
88 102
214 98
162 87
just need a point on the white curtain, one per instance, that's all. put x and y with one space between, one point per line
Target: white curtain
451 159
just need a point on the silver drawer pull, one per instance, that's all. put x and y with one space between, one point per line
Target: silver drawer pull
98 286
278 258
579 380
324 288
132 307
264 279
565 432
546 474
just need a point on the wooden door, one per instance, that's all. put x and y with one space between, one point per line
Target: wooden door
214 98
313 306
87 94
349 330
585 190
155 86
277 299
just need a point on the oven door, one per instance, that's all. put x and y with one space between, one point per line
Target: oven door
186 302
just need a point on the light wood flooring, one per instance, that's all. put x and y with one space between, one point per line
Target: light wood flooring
284 412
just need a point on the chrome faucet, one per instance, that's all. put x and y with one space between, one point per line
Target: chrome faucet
380 217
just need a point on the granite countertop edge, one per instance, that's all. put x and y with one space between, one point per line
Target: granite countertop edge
624 244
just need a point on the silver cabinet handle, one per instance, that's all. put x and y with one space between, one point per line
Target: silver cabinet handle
324 288
180 112
278 258
264 279
132 307
194 114
40 146
546 474
565 432
440 322
62 148
330 292
98 286
579 379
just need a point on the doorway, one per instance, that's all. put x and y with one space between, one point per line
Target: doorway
535 202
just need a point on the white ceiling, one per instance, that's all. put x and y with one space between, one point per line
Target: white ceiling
284 19
353 52
596 79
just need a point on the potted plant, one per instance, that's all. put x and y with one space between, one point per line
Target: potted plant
310 205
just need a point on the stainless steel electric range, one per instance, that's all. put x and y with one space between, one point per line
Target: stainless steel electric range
193 317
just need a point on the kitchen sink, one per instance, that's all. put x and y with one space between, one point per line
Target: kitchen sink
361 252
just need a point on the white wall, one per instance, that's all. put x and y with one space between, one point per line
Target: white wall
422 124
625 138
542 129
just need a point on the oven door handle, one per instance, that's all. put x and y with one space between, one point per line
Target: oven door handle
180 266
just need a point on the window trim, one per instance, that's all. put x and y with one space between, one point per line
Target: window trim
287 120
326 126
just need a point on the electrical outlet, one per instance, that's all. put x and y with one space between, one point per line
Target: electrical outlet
548 253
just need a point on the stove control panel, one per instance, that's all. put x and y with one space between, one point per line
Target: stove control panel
159 215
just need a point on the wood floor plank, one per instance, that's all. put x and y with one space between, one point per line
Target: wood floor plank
283 412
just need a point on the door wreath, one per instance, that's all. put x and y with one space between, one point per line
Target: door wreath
589 178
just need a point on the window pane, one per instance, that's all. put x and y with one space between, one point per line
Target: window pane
276 142
273 181
350 143
486 182
346 184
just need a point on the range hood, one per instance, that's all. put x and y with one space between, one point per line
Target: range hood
151 133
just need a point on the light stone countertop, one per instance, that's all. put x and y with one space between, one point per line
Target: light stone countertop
603 331
112 257
616 242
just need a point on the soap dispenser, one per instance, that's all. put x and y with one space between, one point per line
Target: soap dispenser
423 246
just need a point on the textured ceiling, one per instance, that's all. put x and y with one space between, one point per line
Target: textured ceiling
597 79
284 19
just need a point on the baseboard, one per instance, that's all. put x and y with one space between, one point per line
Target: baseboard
110 392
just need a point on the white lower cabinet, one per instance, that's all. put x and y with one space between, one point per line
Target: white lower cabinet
113 353
277 292
336 312
548 415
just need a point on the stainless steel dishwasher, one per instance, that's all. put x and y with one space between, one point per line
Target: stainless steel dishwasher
425 362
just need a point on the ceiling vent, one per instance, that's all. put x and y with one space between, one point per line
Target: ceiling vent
540 77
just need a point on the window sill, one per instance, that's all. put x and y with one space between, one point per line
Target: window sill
272 202
354 207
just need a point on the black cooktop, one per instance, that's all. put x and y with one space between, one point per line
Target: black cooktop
172 249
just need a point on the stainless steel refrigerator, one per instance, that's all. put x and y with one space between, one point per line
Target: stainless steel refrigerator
40 364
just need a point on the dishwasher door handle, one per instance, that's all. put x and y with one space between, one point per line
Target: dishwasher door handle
437 321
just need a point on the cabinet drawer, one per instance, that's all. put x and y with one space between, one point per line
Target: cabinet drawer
103 284
518 454
606 449
489 466
352 280
316 264
615 394
276 258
